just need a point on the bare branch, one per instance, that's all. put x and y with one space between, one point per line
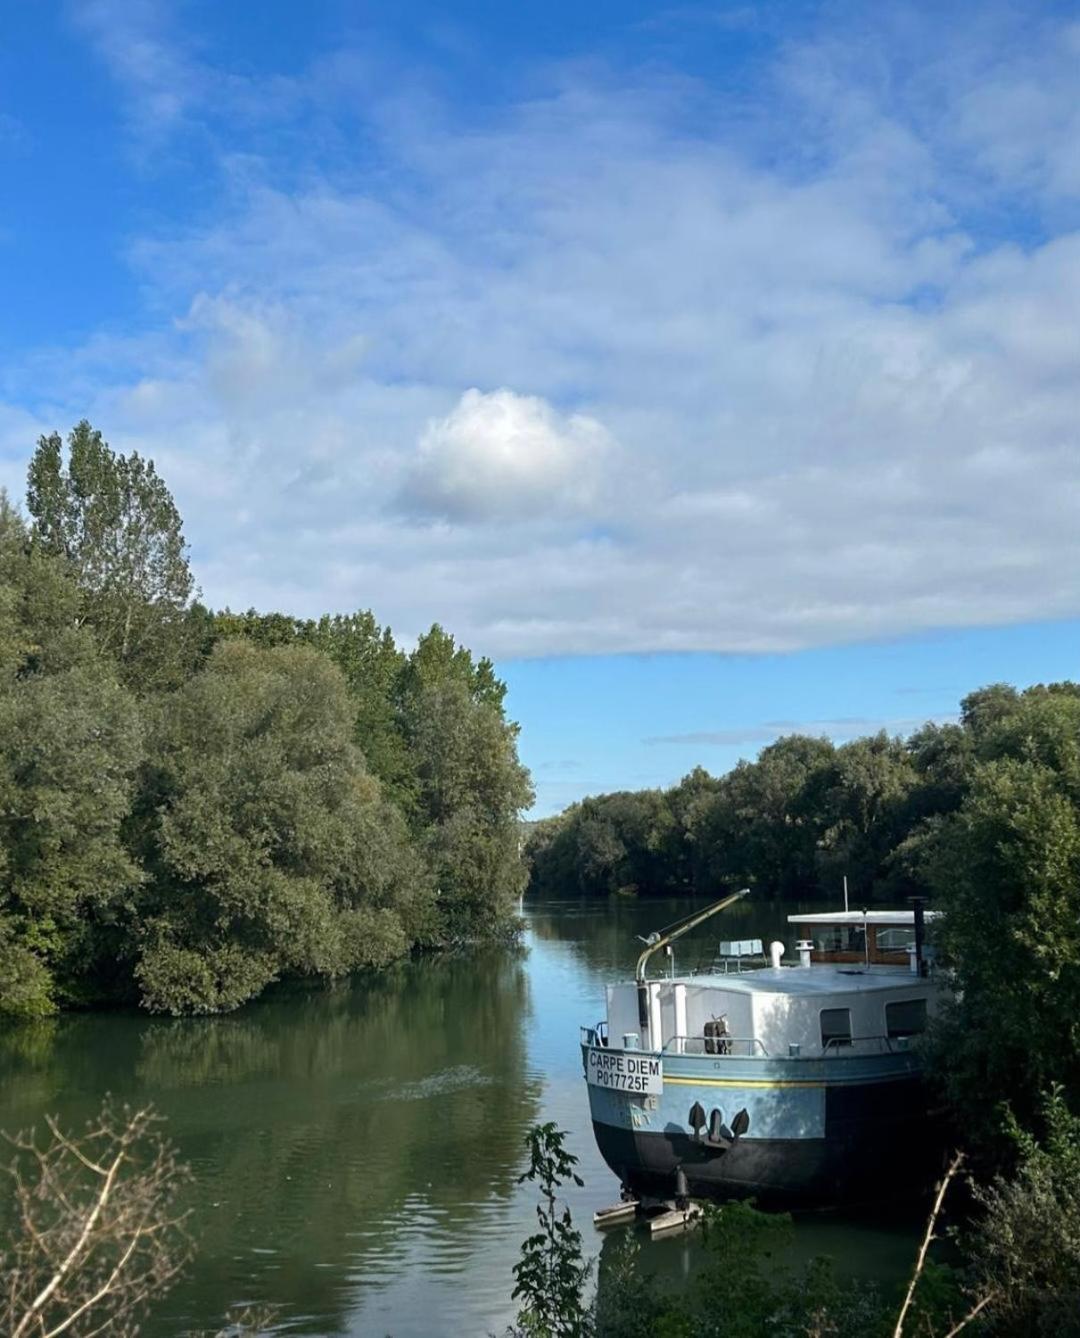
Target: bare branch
96 1235
928 1236
971 1314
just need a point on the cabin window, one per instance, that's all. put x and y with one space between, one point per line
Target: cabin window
906 1018
896 938
835 1027
837 938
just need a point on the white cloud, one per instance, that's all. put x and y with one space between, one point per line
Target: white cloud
846 400
506 455
133 39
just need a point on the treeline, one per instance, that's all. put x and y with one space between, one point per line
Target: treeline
792 824
194 804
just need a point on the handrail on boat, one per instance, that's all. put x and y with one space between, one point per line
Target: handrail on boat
886 1044
754 1045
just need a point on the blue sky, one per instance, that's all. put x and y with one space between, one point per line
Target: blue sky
715 368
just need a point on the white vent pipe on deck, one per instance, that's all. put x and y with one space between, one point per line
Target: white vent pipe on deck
656 1041
680 1015
805 947
776 953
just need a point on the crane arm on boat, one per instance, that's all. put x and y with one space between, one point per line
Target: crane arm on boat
657 941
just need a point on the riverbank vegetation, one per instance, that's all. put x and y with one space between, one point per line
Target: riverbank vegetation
1011 1269
194 804
896 816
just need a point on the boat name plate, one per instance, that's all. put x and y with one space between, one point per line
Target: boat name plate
625 1072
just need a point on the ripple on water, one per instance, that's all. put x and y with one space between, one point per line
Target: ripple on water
455 1079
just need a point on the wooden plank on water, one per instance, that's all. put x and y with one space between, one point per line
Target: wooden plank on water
617 1214
679 1219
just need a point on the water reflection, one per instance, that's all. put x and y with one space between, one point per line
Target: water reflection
356 1149
334 1135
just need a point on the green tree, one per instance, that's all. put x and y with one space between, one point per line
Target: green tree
863 797
372 664
1024 1245
1006 869
272 850
761 823
470 784
114 521
70 743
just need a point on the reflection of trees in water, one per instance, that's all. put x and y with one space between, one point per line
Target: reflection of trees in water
311 1118
604 935
25 1047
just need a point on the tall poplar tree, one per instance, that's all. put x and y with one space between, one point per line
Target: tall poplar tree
114 521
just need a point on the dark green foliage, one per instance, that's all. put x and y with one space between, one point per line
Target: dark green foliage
742 1285
70 743
1005 867
550 1277
431 727
193 805
373 667
1025 1246
270 849
742 1288
469 784
1016 1270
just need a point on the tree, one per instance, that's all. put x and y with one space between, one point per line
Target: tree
862 795
270 848
372 664
114 521
1006 870
761 823
470 784
70 743
1032 1289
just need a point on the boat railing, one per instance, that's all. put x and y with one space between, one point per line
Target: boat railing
836 1046
734 1047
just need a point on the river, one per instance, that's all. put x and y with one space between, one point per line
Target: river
356 1149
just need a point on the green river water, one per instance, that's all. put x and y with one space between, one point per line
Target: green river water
355 1150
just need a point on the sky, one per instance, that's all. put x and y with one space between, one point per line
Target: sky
714 368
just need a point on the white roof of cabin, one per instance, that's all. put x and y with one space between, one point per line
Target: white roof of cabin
899 918
801 980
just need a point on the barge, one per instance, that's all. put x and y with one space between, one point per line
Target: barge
796 1084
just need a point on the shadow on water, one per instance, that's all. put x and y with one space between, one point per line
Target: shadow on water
356 1149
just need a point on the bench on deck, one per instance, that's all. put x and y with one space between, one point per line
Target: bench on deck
733 952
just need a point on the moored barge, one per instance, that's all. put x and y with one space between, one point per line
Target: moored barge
798 1085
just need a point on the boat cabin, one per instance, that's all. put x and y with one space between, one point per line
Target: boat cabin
869 938
777 1011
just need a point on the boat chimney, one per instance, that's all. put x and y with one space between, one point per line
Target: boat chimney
805 947
918 905
776 953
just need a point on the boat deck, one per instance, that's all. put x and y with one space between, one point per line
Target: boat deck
803 981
